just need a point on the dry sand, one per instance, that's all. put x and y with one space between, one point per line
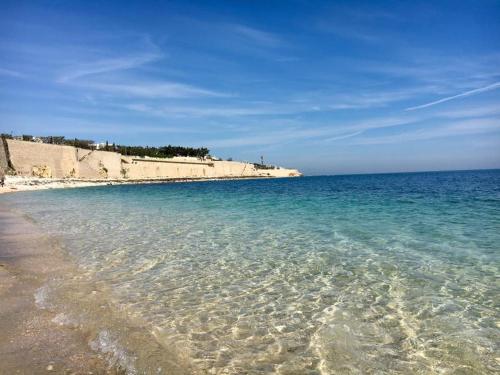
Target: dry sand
18 183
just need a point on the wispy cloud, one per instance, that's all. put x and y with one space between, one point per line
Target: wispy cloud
356 25
256 35
379 123
10 73
150 89
379 98
354 33
344 136
467 112
325 133
341 131
363 98
204 111
266 138
89 76
460 128
446 74
491 87
106 66
282 109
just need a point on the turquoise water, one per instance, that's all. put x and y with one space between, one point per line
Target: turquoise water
383 274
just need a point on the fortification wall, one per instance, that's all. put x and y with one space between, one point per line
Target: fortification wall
29 158
100 164
137 168
57 161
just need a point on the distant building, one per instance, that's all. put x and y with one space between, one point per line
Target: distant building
98 146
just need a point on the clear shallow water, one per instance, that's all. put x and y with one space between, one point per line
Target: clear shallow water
347 274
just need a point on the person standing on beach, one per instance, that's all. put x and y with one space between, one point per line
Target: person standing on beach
2 177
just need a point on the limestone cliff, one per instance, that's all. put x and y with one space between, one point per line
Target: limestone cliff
45 160
4 160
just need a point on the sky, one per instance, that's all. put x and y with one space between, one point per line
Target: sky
330 87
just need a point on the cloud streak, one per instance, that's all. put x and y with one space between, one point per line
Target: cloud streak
258 36
148 89
344 136
459 128
204 111
10 73
491 87
106 66
88 76
328 133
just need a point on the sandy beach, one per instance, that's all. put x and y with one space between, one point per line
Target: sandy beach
55 320
37 337
21 183
31 342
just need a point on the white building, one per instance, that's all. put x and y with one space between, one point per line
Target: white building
98 146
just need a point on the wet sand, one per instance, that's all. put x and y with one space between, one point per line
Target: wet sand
39 337
30 342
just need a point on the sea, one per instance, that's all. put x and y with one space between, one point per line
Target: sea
356 274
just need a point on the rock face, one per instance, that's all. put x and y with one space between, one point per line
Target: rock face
41 171
44 160
24 156
4 164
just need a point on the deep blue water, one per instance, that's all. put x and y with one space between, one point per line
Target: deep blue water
387 273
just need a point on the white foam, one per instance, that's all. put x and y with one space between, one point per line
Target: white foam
117 355
41 297
64 320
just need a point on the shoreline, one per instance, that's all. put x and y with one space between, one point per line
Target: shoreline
53 319
196 290
30 341
15 184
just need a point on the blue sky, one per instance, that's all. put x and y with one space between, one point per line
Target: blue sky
327 87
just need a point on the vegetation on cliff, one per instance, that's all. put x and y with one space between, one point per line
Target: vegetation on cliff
156 152
161 152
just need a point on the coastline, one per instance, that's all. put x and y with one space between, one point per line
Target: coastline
15 184
32 159
216 314
53 320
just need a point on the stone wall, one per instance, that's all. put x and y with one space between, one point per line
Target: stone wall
99 164
56 161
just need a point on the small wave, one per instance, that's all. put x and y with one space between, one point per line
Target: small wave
64 320
117 355
41 297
